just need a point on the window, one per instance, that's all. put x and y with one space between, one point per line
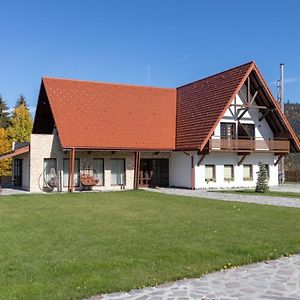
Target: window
228 130
228 172
66 167
246 130
98 166
117 171
210 174
50 176
248 172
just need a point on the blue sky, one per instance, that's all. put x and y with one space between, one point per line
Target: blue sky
115 41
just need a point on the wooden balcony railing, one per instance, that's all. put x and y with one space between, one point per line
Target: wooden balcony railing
240 145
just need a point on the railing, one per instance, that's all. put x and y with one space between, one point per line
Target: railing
234 145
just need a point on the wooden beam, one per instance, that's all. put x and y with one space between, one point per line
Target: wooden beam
201 160
243 96
256 106
264 114
242 114
135 178
248 90
278 160
254 96
242 159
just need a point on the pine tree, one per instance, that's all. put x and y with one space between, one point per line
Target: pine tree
262 180
5 146
21 125
21 101
4 114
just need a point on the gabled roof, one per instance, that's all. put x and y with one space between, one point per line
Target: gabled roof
109 116
202 104
104 116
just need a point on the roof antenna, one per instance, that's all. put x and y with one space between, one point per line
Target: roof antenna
280 98
148 72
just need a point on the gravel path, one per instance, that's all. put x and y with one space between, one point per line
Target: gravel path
278 201
277 280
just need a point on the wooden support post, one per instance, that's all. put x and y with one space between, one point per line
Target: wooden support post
201 160
280 157
71 170
242 159
136 169
242 114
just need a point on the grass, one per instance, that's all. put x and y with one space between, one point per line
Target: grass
269 193
71 246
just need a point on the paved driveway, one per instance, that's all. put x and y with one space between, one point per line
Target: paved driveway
279 201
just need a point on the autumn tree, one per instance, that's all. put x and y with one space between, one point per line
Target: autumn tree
5 146
21 124
4 114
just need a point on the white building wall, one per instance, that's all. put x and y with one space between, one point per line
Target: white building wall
180 170
221 159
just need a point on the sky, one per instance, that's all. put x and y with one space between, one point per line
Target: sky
119 41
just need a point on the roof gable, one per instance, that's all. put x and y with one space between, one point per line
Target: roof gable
202 104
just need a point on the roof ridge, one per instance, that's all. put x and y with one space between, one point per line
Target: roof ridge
219 73
108 83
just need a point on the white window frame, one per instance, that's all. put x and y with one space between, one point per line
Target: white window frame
231 178
213 177
250 178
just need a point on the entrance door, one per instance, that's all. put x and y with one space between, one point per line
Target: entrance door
157 170
18 172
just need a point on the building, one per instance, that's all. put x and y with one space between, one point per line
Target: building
211 133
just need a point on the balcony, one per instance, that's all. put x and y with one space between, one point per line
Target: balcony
248 145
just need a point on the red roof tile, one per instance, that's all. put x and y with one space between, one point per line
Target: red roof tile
112 116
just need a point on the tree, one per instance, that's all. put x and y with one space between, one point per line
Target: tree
4 114
5 146
21 125
21 101
262 180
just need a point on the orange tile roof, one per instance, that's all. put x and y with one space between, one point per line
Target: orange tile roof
106 116
112 116
201 104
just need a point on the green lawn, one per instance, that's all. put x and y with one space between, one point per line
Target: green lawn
70 246
269 193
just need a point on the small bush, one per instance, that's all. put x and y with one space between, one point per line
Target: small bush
262 180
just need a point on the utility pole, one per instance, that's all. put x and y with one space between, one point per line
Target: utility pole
280 97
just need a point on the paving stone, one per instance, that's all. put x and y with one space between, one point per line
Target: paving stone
256 281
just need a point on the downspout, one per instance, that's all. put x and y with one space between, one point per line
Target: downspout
192 170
